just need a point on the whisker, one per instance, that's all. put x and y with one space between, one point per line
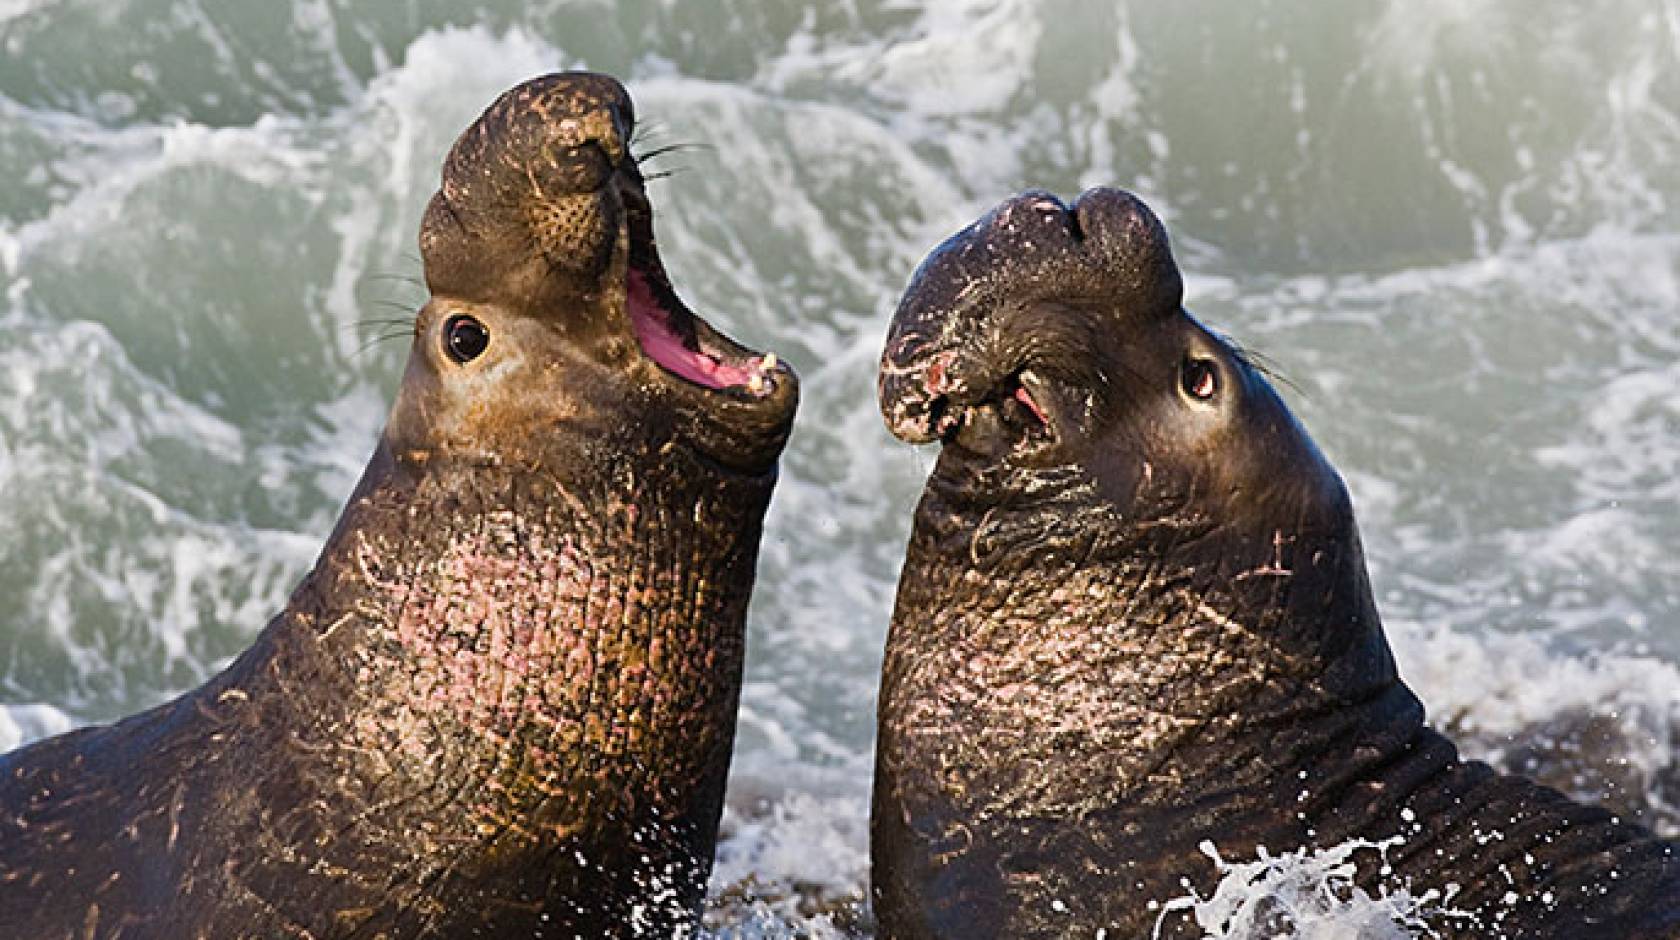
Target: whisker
671 148
404 278
372 341
382 323
665 174
1264 365
645 130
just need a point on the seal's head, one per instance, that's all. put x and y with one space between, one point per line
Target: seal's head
1046 337
550 306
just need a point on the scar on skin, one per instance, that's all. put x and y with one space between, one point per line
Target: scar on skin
968 843
1275 568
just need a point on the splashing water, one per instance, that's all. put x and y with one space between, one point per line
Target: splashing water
1308 894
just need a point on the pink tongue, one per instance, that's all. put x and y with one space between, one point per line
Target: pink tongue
1025 398
653 331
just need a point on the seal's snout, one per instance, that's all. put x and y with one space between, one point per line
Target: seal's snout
966 326
567 133
535 169
936 362
913 386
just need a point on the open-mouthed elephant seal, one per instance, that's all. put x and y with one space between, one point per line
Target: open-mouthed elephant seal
502 704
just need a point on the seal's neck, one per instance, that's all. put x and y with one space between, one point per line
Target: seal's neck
1142 653
516 658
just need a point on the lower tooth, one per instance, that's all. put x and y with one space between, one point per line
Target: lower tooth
755 383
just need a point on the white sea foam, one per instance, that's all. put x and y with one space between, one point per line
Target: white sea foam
102 169
793 857
1307 895
10 251
75 412
22 722
1501 684
968 57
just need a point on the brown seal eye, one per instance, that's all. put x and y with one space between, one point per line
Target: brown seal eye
464 338
1199 379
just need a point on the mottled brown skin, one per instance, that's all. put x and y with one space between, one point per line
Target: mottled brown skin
502 704
1142 621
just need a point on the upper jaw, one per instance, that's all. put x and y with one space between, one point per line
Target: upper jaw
668 333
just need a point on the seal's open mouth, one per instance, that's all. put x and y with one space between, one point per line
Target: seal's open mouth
672 335
1023 410
1015 415
947 394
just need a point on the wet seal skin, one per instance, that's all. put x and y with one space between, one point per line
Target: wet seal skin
1134 618
503 702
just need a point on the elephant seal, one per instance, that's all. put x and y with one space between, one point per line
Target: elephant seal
1135 619
502 704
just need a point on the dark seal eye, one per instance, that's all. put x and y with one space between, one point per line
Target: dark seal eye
464 338
1199 379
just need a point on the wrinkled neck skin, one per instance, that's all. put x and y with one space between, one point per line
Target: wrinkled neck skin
536 676
1056 624
1073 702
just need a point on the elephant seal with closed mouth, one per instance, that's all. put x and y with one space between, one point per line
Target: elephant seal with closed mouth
502 704
1135 619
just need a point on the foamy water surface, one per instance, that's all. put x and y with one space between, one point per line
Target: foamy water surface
1451 225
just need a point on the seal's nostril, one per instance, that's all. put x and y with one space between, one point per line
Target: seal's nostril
1074 228
939 420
